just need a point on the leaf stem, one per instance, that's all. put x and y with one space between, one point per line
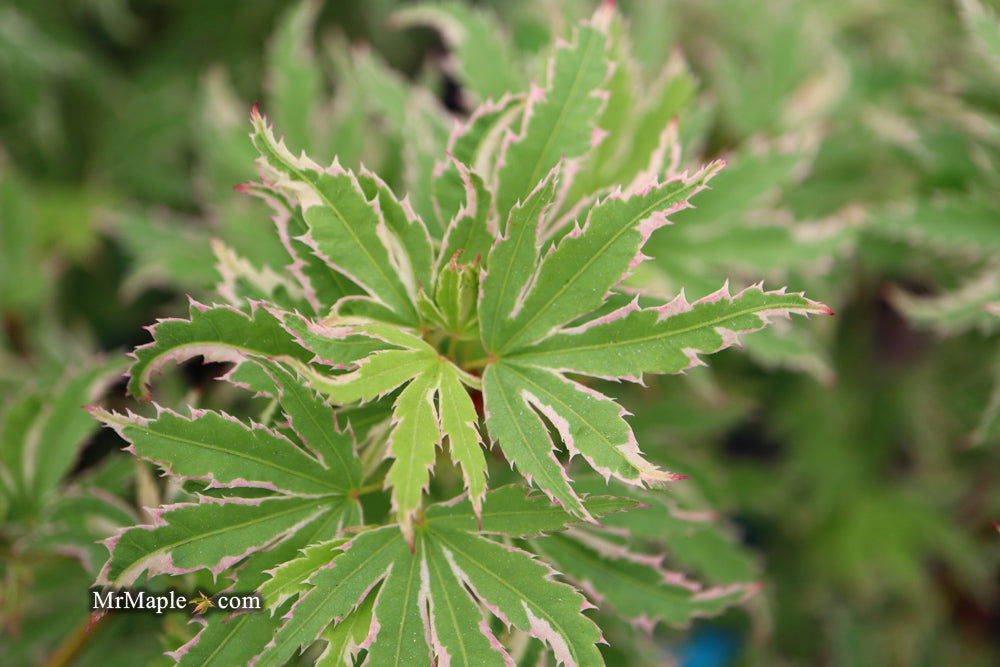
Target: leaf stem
482 362
367 488
67 652
268 414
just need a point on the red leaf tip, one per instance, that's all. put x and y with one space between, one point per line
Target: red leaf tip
95 618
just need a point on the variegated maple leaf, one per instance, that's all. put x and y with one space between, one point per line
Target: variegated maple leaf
432 596
413 325
482 312
542 316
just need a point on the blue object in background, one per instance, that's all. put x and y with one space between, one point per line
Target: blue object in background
709 647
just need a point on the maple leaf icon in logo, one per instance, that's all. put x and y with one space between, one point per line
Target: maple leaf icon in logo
201 603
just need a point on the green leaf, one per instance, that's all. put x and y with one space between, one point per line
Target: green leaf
313 423
78 518
514 511
337 591
511 262
524 592
220 124
340 345
783 345
430 592
415 253
166 252
983 23
401 632
617 115
471 145
323 286
412 444
63 426
362 419
469 232
668 339
426 135
376 376
288 579
294 79
45 439
20 413
458 628
234 640
988 427
226 641
523 437
218 333
250 376
484 64
241 282
345 639
559 121
588 262
213 535
638 588
343 225
697 540
957 311
641 129
474 140
459 422
415 121
589 424
961 225
215 446
455 299
385 91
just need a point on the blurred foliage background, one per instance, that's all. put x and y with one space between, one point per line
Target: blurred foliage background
856 456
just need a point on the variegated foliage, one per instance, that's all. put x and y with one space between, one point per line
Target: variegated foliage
483 316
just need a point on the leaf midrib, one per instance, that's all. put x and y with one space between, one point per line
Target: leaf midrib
465 433
539 310
227 638
544 612
362 377
577 76
601 564
357 240
510 410
238 454
438 573
406 598
582 419
298 508
345 461
422 390
333 592
643 339
531 224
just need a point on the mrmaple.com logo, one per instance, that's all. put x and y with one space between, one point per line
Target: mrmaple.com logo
171 600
